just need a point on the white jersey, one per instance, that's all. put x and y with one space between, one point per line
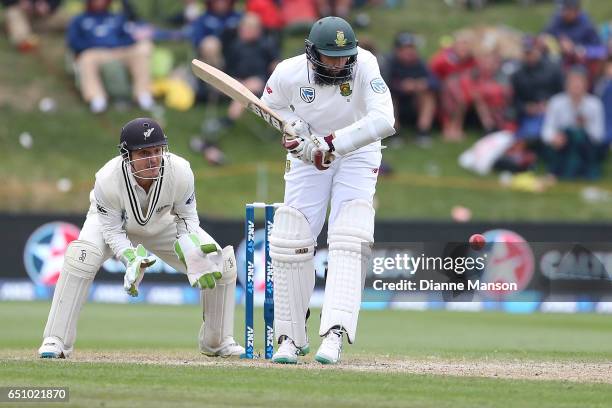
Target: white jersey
293 94
125 209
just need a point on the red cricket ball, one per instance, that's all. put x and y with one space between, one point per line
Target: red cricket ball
477 242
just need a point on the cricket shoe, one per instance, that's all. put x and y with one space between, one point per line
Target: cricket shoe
288 352
331 348
53 347
229 348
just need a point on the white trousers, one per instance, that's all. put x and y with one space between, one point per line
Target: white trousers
311 191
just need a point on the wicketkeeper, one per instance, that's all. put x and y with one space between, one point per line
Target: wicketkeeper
144 202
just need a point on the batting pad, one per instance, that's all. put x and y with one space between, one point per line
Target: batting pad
347 256
81 263
292 253
219 304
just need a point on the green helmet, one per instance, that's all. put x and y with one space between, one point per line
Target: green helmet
333 37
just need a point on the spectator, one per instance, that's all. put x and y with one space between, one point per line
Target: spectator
574 130
339 8
447 65
209 28
455 59
98 36
604 91
577 36
606 36
485 89
190 12
534 83
269 13
271 18
249 58
413 87
19 16
298 15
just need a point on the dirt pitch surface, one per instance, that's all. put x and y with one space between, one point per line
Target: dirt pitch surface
574 371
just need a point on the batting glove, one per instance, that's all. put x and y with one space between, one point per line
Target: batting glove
322 155
296 135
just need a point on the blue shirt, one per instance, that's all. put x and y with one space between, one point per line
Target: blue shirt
98 30
213 24
581 32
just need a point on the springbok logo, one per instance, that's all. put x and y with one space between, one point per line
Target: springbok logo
340 39
148 132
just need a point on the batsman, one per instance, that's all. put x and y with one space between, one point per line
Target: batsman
337 108
144 200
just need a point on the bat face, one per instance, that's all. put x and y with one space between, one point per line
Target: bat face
236 91
265 115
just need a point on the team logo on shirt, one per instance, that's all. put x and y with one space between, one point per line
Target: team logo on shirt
148 132
191 199
101 210
340 40
345 89
307 93
378 85
162 208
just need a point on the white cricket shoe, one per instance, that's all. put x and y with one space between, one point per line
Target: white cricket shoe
229 348
331 348
52 347
287 352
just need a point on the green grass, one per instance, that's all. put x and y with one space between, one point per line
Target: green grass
72 143
144 386
393 333
172 330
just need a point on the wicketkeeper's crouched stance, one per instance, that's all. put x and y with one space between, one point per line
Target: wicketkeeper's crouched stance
144 200
336 108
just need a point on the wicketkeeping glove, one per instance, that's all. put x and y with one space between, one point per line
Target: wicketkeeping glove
136 261
204 262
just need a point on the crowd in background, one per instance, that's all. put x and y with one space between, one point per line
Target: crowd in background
550 92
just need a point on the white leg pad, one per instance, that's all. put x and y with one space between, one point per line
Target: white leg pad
81 263
347 259
218 306
292 253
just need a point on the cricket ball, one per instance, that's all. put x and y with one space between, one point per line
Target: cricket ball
477 242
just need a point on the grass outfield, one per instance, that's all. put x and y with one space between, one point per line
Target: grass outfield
143 355
72 143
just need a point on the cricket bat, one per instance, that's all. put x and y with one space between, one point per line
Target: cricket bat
237 91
